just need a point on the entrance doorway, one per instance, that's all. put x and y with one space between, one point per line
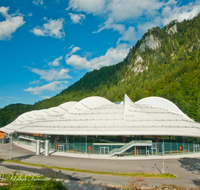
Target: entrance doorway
104 150
196 147
60 148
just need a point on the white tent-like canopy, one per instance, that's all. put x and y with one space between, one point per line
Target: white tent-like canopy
99 116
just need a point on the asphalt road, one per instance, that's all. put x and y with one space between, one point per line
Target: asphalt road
187 169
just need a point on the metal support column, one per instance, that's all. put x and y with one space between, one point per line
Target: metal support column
86 144
146 150
193 145
163 152
163 169
37 147
11 146
46 150
66 143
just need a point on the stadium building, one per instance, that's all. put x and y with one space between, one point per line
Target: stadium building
95 125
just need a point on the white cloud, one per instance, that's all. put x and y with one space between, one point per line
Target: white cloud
121 10
180 13
170 13
76 18
144 27
117 10
88 6
34 82
53 28
56 61
46 97
111 57
53 86
30 14
129 35
109 24
73 50
78 62
10 25
38 2
12 97
1 98
52 74
71 46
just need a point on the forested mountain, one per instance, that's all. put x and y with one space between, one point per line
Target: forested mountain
165 63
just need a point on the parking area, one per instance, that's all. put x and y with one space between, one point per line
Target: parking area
187 169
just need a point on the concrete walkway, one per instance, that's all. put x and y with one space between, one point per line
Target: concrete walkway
187 169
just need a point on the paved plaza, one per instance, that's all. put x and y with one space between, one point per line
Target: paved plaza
187 169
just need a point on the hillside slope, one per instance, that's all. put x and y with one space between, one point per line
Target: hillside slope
165 63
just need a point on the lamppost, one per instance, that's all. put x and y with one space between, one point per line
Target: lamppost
163 169
11 146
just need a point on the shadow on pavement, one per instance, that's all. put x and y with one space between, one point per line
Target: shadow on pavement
196 182
20 158
192 165
52 152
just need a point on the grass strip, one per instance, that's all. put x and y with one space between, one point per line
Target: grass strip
14 181
141 175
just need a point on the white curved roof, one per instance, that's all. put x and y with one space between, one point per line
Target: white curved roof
67 105
89 103
98 116
161 103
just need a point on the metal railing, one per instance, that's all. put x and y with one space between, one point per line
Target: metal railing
118 151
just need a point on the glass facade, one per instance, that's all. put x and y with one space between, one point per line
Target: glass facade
128 145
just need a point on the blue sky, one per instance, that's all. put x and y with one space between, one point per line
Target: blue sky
47 45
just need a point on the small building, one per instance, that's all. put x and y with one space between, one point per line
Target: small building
95 125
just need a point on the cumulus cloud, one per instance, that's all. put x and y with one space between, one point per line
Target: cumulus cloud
30 14
34 82
78 62
53 86
117 10
88 6
10 24
110 24
121 10
129 35
56 61
73 50
180 13
111 57
52 74
144 27
53 28
1 98
38 2
76 18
